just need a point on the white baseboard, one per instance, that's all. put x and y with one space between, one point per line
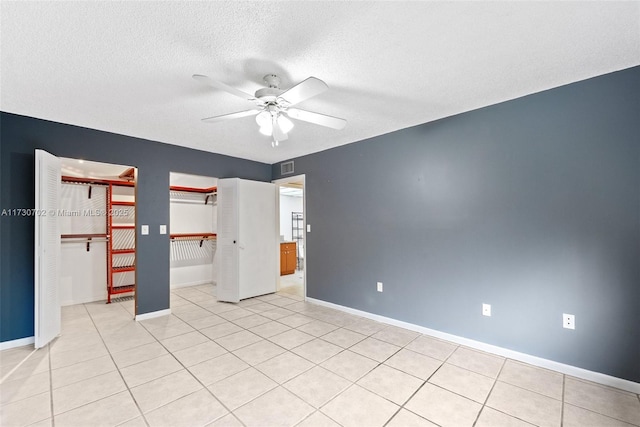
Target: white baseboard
585 374
153 314
92 298
188 284
6 345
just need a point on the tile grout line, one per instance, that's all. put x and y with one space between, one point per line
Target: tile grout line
53 419
486 399
564 381
117 369
198 380
457 346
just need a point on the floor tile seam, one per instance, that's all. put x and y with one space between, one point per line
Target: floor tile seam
137 363
20 389
380 362
93 375
599 413
85 360
197 379
53 421
564 384
401 405
601 386
486 399
24 398
74 349
506 414
475 372
121 377
8 380
325 404
189 346
94 401
424 382
561 400
253 398
292 378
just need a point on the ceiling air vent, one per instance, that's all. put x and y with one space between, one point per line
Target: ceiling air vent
286 168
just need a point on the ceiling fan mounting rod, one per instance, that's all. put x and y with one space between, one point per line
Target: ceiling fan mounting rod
272 81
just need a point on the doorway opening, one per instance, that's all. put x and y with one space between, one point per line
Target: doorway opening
97 216
193 232
292 232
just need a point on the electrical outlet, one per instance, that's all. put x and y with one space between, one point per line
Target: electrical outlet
163 229
379 286
568 321
486 310
144 230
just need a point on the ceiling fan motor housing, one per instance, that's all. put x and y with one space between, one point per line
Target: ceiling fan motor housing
273 90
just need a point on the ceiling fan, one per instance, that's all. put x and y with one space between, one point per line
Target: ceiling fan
273 106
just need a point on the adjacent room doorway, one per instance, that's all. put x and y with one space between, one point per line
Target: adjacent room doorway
292 227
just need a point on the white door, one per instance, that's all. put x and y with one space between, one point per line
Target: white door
227 241
258 243
247 240
47 249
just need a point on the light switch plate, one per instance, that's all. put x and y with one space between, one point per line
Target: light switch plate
144 230
163 229
308 228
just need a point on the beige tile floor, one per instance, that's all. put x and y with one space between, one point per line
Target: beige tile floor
278 361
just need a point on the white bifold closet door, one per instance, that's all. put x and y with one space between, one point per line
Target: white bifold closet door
47 249
247 240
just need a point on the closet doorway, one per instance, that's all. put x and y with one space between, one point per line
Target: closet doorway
96 217
193 232
292 231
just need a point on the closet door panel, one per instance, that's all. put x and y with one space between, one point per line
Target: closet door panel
47 313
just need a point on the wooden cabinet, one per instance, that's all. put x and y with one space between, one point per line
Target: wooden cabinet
288 258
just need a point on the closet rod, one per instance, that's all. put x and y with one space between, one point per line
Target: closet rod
83 236
95 181
193 189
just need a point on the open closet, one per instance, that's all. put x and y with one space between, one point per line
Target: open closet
96 216
193 237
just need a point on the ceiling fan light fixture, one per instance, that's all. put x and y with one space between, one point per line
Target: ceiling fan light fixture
265 122
266 130
285 124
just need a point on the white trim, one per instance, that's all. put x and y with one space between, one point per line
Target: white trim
189 284
153 314
6 345
585 374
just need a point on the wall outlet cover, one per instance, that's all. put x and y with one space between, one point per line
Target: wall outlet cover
486 310
144 230
163 229
379 286
568 321
308 228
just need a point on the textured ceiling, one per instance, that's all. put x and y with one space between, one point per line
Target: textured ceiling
126 67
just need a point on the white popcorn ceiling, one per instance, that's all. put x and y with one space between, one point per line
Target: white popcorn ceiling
126 67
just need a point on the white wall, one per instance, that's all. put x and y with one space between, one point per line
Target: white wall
83 275
288 204
192 264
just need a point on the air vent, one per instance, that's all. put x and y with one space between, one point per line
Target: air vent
286 168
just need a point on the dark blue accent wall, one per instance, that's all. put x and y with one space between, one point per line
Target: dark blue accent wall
531 205
20 136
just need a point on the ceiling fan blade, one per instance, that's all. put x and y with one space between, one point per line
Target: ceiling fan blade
231 116
304 90
223 86
278 134
317 118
